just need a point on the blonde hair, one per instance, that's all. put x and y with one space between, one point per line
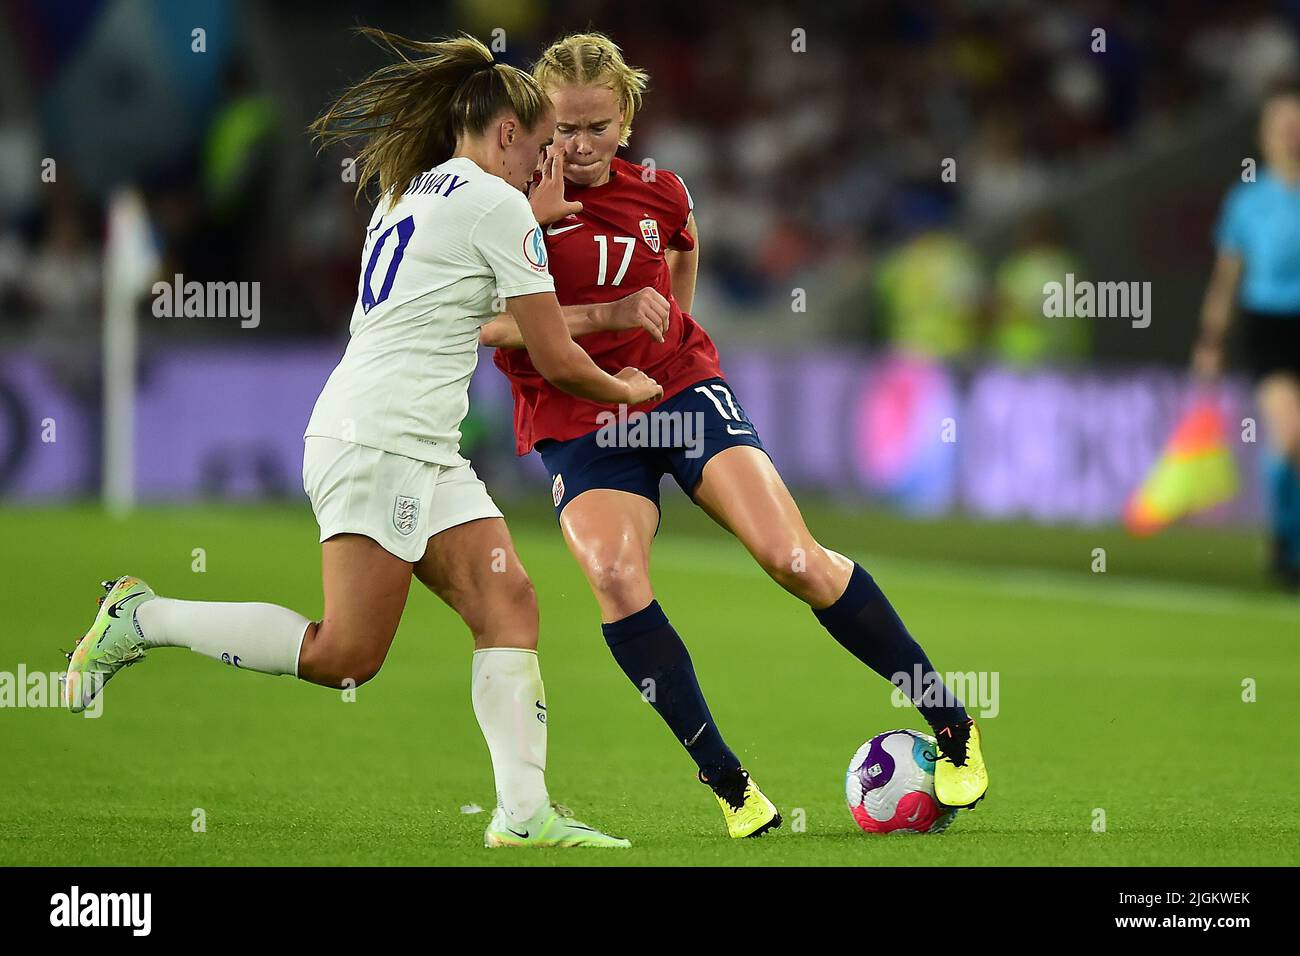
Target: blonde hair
594 59
411 111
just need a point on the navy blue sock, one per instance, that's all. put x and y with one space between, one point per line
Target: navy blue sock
870 629
648 649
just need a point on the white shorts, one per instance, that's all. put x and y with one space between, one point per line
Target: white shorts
398 501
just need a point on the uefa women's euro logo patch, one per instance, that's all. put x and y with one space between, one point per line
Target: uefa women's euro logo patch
535 249
406 514
650 233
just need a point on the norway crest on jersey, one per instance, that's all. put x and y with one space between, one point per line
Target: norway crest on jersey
406 514
650 233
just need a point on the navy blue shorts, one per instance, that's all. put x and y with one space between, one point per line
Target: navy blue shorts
632 450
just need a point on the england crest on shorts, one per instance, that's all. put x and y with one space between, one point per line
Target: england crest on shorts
650 233
557 490
406 514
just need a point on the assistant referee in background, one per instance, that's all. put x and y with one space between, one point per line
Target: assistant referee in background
1257 270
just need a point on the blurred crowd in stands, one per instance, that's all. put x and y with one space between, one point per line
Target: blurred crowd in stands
796 161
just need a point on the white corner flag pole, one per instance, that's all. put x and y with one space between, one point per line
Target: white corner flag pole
130 262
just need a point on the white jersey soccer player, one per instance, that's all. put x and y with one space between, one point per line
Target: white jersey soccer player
452 139
383 444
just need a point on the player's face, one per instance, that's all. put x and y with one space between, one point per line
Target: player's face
588 121
1280 130
523 148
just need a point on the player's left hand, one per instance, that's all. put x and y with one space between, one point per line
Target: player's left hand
645 309
546 195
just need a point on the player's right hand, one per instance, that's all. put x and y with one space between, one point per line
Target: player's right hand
546 195
645 309
640 386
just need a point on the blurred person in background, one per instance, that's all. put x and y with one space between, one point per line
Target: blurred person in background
1020 334
61 282
60 289
237 166
13 266
322 264
931 290
1257 272
1001 176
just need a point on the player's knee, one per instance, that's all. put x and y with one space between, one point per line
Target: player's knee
624 585
362 668
784 561
525 593
505 604
333 662
355 666
520 596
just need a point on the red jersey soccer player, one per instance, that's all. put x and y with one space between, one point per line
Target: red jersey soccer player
628 228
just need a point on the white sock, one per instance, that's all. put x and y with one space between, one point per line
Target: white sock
255 637
510 704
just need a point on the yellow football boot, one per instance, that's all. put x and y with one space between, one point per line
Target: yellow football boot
960 777
113 642
748 813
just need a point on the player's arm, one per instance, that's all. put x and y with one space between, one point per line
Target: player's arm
683 267
1216 313
564 364
645 309
503 331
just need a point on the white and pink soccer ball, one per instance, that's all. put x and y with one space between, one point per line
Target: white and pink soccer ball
890 785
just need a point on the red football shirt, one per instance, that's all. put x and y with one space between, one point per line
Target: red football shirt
612 248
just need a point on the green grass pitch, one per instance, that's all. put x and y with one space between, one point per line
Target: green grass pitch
1119 692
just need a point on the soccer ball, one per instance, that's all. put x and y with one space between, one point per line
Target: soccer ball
890 785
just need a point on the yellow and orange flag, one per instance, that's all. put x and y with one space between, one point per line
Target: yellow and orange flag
1195 471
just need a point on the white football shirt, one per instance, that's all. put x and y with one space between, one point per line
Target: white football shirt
432 269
